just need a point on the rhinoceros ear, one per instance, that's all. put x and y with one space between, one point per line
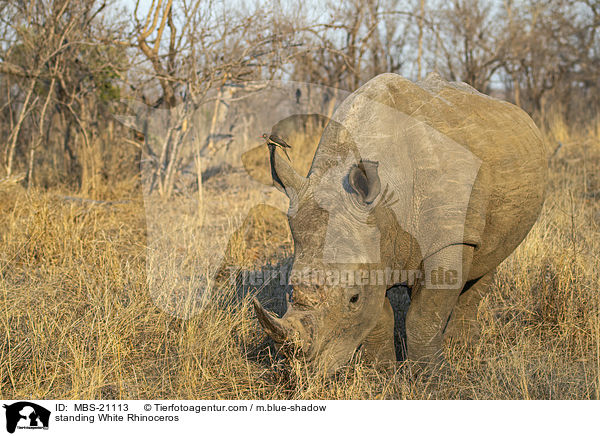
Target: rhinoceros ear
364 180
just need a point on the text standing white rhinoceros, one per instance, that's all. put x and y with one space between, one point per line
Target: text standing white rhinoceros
428 180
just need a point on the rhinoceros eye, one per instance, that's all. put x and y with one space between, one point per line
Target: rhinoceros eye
354 298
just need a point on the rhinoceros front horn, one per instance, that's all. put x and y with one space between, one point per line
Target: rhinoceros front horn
276 328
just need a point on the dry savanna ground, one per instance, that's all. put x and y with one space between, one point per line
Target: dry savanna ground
78 321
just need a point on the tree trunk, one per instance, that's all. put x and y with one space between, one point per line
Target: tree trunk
15 133
420 49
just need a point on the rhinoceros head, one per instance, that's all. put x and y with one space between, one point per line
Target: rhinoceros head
333 216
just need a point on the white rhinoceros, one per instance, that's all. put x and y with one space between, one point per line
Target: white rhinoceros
431 177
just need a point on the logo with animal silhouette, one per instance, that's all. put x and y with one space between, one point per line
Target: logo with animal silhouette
26 415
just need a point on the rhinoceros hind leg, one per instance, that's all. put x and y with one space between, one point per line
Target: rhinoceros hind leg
463 324
378 346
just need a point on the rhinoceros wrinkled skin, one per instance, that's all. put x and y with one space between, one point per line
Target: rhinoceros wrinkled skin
427 184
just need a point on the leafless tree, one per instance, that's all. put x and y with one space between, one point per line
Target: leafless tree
358 40
553 48
471 41
198 50
55 65
66 66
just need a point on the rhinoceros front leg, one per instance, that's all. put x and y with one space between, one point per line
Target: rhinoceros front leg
379 344
463 321
431 304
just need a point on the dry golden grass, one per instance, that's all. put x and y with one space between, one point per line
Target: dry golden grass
77 320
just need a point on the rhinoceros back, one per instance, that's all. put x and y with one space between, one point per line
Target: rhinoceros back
508 190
